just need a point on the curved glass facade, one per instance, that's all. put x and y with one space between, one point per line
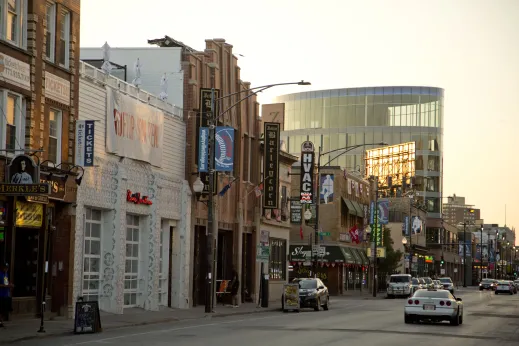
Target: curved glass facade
339 118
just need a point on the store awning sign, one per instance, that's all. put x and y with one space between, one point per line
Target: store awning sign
23 178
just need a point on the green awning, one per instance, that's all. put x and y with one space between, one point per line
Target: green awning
365 256
356 255
350 206
358 208
328 254
348 255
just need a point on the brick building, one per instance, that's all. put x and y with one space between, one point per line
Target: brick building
234 235
38 98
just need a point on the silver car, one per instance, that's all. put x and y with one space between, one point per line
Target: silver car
447 284
434 305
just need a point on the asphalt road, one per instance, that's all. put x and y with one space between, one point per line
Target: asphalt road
488 319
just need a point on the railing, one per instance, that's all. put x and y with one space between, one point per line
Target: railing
91 72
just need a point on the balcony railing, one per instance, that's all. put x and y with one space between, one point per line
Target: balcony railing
91 72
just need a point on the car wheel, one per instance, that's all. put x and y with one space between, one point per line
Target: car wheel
511 293
318 305
407 319
481 288
285 311
326 306
455 321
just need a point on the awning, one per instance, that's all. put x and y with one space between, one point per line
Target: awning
350 259
359 209
327 254
359 255
364 256
356 255
349 205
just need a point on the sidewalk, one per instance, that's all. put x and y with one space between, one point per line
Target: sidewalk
19 330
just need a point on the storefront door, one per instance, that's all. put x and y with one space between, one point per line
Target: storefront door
25 272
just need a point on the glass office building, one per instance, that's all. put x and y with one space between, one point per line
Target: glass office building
339 118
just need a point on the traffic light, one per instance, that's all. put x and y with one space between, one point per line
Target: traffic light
442 261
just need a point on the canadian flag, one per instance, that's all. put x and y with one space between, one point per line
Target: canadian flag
354 234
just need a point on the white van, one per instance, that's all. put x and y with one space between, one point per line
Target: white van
399 285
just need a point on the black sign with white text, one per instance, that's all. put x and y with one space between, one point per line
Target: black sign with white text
271 166
201 121
307 172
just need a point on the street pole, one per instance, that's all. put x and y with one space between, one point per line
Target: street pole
210 216
464 254
481 254
317 202
375 239
410 237
495 255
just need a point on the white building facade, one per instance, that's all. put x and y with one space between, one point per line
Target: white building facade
133 205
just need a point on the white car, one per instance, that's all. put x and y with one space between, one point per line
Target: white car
504 287
399 285
434 305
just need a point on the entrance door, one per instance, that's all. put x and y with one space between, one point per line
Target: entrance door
25 274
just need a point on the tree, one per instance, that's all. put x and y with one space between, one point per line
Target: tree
392 261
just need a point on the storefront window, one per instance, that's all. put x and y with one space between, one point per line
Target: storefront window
131 271
278 259
92 255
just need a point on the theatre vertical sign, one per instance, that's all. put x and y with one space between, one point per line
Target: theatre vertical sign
307 172
271 166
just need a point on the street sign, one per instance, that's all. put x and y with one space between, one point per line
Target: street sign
442 271
325 234
381 252
262 253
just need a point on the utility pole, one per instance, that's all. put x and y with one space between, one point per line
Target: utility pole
481 254
317 202
464 254
375 239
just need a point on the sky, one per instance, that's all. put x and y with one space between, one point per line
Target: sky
467 47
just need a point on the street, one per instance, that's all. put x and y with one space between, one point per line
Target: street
488 318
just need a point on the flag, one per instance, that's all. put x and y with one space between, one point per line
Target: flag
354 234
301 232
225 188
257 190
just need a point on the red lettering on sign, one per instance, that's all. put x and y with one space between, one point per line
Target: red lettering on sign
137 199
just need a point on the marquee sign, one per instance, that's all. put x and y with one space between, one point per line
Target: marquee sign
271 166
22 178
307 172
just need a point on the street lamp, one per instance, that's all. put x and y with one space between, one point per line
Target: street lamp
404 242
198 186
212 120
308 215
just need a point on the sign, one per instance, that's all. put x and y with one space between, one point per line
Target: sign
58 187
87 318
22 175
134 129
296 213
291 296
442 271
57 88
372 213
405 226
38 199
203 147
325 234
416 225
29 214
271 166
264 237
381 252
201 121
24 189
345 237
136 198
273 113
85 138
224 149
15 72
326 193
383 211
307 172
262 253
429 259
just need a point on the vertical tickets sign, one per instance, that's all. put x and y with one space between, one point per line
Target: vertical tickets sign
85 138
307 172
271 166
203 126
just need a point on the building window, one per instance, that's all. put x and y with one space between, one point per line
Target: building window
13 18
50 31
55 125
131 271
92 255
13 121
278 259
64 38
163 268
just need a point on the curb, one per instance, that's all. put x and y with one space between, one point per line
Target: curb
140 324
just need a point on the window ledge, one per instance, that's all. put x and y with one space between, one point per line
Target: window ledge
58 66
15 47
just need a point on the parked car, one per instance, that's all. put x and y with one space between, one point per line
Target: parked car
437 285
312 294
415 285
447 284
399 285
434 305
504 287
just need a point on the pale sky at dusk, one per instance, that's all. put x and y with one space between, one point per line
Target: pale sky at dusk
467 47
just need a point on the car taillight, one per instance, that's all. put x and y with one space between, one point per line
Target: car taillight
448 303
410 301
442 303
417 302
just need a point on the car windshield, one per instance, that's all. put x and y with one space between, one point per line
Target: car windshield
399 279
308 284
415 281
486 281
432 294
422 281
446 280
428 280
